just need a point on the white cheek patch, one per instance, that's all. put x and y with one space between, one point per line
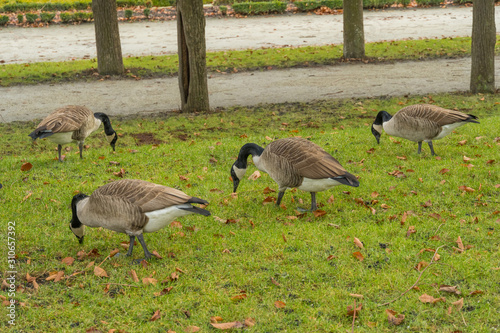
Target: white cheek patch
110 137
79 232
378 128
239 172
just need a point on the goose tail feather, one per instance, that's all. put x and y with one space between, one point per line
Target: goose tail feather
348 179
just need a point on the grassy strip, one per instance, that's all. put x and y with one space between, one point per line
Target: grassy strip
232 61
252 255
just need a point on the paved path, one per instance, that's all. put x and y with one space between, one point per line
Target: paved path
66 42
303 84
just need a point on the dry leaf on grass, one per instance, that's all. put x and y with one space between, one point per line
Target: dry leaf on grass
279 304
393 319
98 271
133 274
358 243
155 316
26 166
192 329
146 281
255 175
459 304
429 299
460 244
350 310
450 289
358 256
227 326
68 261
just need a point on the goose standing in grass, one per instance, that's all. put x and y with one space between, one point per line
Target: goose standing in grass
73 123
294 162
420 122
132 207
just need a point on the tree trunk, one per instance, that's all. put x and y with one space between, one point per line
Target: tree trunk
354 36
482 78
107 37
192 56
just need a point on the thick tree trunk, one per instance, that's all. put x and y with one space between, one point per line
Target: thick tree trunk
107 37
482 78
354 35
192 56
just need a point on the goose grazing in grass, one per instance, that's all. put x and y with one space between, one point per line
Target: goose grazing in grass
294 162
420 122
73 123
132 207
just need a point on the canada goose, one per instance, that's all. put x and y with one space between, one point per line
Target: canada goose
294 162
131 206
420 122
73 123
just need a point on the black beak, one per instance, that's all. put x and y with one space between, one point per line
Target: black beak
236 182
80 239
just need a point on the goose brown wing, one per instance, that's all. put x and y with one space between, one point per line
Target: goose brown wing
148 196
308 159
66 119
436 114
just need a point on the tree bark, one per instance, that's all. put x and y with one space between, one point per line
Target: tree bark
482 79
192 56
354 36
107 37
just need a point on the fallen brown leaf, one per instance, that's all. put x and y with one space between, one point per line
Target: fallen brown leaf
68 261
429 299
393 319
155 316
227 326
450 289
358 243
98 271
133 274
255 175
26 166
358 256
279 304
459 304
318 213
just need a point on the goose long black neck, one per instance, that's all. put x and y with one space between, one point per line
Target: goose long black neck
75 221
108 129
248 149
382 117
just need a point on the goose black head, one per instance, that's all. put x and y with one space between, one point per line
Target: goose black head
377 125
111 135
238 170
239 167
75 225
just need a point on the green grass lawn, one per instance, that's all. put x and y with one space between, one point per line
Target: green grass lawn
234 61
248 248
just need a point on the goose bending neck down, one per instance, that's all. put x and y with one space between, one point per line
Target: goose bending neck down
132 207
73 123
294 162
420 122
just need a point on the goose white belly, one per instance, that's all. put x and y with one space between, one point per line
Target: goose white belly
159 219
318 185
447 129
61 138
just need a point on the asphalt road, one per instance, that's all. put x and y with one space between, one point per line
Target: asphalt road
144 97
